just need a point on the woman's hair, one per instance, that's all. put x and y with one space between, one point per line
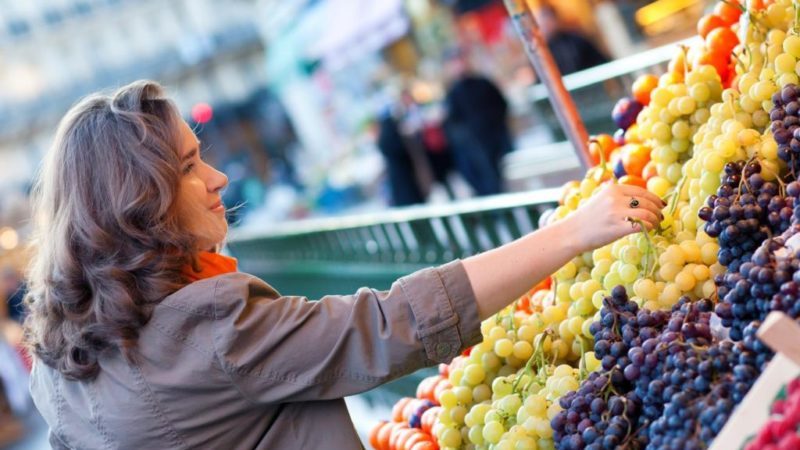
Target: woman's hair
109 239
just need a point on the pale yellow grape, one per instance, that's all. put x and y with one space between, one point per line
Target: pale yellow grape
451 438
501 387
669 296
492 432
687 105
455 376
674 173
503 347
585 305
566 384
611 280
554 314
552 411
685 281
522 350
709 288
476 435
590 287
457 414
658 186
628 273
526 333
646 289
576 291
597 299
490 361
560 348
496 333
669 271
713 163
562 292
708 253
481 393
791 45
568 271
474 373
526 443
448 399
463 394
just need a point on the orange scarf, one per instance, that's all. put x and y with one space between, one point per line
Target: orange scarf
211 265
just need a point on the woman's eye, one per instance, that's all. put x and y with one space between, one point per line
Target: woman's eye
188 169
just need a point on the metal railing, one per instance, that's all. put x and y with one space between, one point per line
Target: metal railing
597 89
339 255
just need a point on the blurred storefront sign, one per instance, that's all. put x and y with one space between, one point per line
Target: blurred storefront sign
361 27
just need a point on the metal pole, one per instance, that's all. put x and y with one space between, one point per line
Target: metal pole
547 71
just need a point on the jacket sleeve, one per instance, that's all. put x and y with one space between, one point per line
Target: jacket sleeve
282 348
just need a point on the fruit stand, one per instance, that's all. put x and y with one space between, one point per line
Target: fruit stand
653 341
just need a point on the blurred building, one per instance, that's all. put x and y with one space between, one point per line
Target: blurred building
52 52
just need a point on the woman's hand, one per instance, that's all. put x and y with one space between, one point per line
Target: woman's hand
612 213
503 274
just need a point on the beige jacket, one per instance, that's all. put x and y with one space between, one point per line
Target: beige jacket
228 363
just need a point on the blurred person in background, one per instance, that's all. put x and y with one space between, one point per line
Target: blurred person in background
404 188
476 126
572 51
145 337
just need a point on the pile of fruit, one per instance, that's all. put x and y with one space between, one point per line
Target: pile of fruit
650 342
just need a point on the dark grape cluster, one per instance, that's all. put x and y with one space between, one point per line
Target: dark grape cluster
785 116
649 359
769 281
744 212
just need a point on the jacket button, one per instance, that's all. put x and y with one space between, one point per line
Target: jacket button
442 349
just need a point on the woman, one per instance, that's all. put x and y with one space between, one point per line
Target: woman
145 338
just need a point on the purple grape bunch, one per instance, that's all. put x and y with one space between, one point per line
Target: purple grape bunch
785 116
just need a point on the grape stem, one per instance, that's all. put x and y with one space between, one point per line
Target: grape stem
676 196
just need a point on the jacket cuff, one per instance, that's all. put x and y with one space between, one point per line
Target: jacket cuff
445 310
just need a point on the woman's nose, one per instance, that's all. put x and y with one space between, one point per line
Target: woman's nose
217 180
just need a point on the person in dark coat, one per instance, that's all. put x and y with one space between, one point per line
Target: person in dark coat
477 128
572 51
399 165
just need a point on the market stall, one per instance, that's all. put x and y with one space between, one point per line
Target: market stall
652 341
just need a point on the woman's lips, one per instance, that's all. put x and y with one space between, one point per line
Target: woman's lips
218 207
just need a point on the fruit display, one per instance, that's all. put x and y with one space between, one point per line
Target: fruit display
650 342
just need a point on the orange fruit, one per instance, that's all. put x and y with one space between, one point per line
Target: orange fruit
707 23
633 180
727 12
643 86
385 435
397 409
634 158
722 40
399 435
374 432
414 438
425 445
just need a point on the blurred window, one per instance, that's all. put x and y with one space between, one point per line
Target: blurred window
82 8
53 17
18 27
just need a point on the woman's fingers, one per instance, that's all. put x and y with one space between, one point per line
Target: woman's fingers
649 218
640 194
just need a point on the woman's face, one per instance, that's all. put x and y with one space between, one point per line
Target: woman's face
200 199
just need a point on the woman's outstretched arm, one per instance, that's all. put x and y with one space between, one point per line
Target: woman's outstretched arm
503 274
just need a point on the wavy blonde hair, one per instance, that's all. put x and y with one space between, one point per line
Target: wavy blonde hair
109 237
